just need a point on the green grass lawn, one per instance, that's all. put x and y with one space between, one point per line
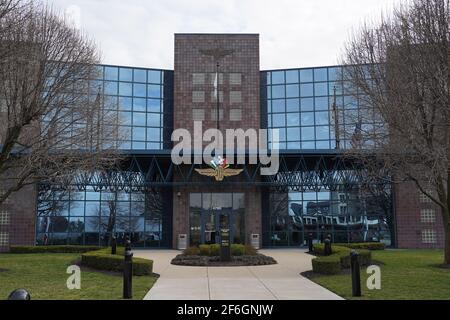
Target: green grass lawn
44 276
405 275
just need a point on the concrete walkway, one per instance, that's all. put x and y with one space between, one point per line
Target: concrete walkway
277 282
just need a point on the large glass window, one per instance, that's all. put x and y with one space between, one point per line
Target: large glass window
92 217
306 95
346 216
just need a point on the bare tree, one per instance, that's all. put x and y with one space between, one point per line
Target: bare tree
399 70
53 120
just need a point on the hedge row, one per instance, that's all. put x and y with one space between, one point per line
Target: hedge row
53 249
364 245
104 260
213 250
338 260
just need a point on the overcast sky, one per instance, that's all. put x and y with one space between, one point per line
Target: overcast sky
293 33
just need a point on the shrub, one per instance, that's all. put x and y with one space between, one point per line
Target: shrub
213 250
250 250
237 249
104 260
205 249
364 245
192 251
53 249
327 265
340 256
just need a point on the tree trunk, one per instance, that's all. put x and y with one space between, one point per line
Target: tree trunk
447 243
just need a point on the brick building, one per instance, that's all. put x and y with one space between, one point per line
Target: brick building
218 77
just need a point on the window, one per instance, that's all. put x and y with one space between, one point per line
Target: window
235 79
427 215
111 73
2 192
307 90
293 134
292 105
153 134
154 119
139 90
154 91
139 133
322 118
235 115
126 74
278 92
306 75
321 74
307 118
307 104
321 89
308 133
235 97
140 75
125 89
292 91
111 88
198 78
154 105
425 199
429 236
4 218
154 76
4 239
198 96
321 103
279 120
278 106
198 114
139 104
293 119
138 119
278 77
292 76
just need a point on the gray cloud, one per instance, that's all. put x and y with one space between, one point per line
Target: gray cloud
293 33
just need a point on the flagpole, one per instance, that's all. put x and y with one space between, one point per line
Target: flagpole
217 95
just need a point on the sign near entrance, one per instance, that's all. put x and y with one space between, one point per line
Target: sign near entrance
225 250
219 169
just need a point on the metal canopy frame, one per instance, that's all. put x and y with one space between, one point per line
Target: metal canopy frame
306 171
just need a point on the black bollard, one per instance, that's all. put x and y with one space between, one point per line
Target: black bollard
327 247
19 294
356 277
128 272
113 245
310 243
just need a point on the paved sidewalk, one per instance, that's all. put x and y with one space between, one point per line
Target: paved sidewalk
276 282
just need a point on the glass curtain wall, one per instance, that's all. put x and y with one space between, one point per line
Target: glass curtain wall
91 217
299 104
344 215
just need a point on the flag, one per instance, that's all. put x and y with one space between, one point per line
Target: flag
357 135
216 81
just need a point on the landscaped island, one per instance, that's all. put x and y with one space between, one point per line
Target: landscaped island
209 255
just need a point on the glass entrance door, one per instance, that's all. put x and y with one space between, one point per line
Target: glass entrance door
212 221
209 212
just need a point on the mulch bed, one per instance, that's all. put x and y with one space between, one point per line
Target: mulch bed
237 261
